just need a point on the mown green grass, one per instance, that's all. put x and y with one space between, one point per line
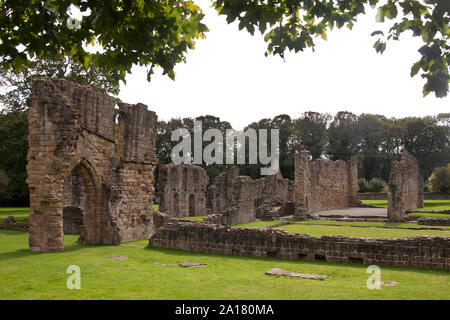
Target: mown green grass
29 275
21 214
258 224
369 224
429 205
428 215
194 218
360 232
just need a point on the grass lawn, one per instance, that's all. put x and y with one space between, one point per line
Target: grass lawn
28 275
21 214
258 224
429 205
428 215
194 218
369 224
321 230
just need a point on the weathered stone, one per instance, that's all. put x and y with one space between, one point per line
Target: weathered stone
280 272
182 190
324 184
405 187
192 264
231 199
434 221
420 252
118 258
388 283
234 199
10 223
77 156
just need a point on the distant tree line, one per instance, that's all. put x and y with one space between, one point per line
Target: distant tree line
375 139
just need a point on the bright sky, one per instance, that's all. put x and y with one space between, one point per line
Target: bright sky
227 75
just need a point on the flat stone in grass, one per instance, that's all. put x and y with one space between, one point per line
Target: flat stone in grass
389 283
192 264
165 264
280 272
118 258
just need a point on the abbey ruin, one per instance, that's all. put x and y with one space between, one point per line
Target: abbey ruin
81 167
324 184
182 190
91 163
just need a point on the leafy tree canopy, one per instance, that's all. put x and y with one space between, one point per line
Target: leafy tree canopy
144 32
159 33
16 86
293 25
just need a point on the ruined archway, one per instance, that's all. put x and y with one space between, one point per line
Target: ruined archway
91 229
73 203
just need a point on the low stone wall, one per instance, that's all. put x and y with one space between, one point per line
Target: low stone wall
436 196
383 196
10 223
434 221
372 196
423 252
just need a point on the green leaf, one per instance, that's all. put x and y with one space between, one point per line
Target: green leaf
377 32
415 68
380 15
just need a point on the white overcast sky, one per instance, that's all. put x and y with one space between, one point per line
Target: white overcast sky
227 75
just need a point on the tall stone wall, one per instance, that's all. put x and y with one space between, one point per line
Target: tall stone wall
324 184
72 133
182 190
405 187
422 252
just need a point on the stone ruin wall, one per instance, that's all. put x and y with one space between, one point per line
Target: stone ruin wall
235 199
324 184
405 187
274 197
182 190
72 133
421 252
231 199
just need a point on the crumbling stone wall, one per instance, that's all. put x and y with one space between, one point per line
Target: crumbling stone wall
235 199
232 197
10 223
72 132
422 252
405 187
274 197
434 221
182 190
324 184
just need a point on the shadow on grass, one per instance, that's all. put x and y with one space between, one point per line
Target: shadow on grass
24 253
